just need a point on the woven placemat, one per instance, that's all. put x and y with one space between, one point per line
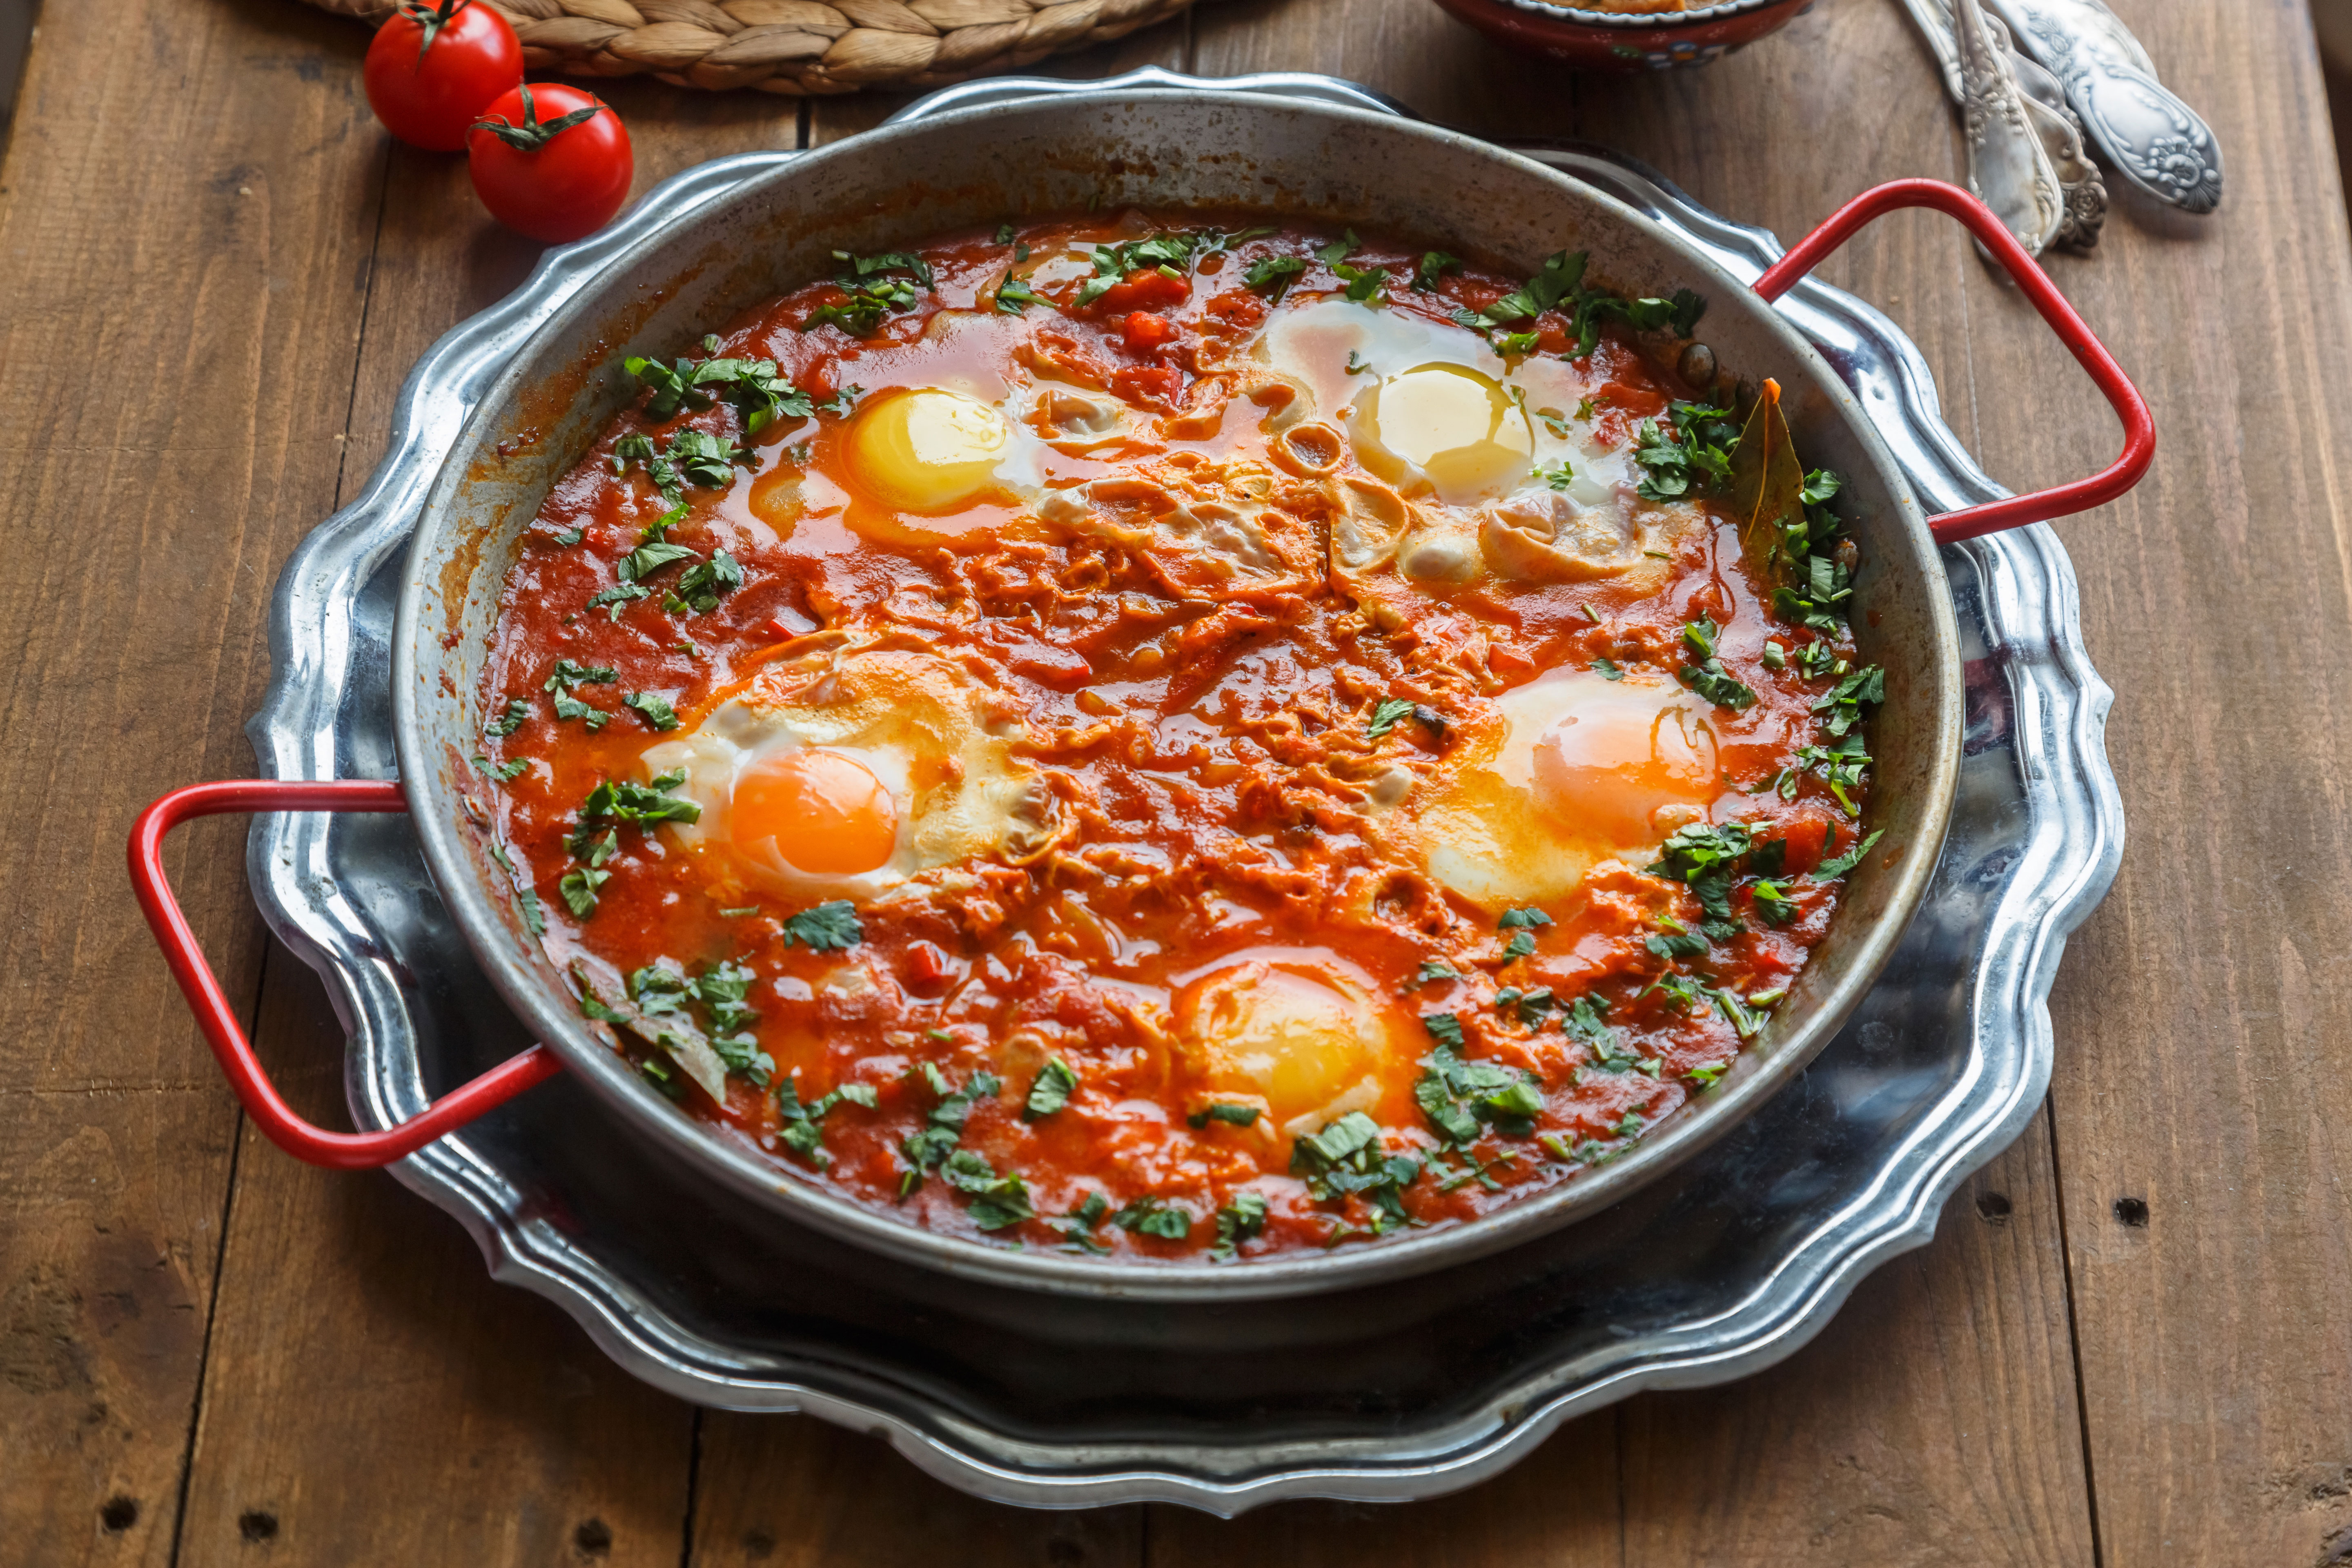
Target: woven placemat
801 46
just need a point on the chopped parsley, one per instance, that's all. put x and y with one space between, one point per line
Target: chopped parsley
1238 1221
801 1133
1773 904
625 800
1172 254
579 889
1706 859
997 1200
509 719
1433 266
1434 969
925 1149
1050 1090
699 586
1230 1115
570 707
505 772
1841 865
1393 710
1152 1216
753 386
828 927
1609 669
1347 1157
1276 273
1459 1097
1558 476
655 711
1385 718
1689 453
1530 1005
872 287
1520 923
1708 677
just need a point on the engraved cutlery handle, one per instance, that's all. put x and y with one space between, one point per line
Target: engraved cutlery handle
2154 140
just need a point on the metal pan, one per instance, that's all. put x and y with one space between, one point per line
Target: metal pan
1162 150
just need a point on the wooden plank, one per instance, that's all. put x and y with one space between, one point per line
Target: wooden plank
183 239
1848 1453
493 1431
1560 1508
1933 1422
2201 1013
781 1492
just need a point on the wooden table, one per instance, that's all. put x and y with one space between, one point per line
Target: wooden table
2130 1344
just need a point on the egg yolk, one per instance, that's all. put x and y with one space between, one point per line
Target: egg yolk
928 451
1608 765
1458 428
828 813
1294 1039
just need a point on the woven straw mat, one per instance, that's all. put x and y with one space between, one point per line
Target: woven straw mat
801 46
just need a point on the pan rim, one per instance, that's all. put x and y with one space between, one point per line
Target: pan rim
439 814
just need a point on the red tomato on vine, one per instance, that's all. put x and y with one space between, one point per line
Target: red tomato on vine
432 69
554 179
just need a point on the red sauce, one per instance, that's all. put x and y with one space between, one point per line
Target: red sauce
1215 922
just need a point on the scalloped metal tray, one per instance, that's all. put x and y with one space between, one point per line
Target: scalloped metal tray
1713 1273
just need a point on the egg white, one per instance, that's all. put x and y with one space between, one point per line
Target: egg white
912 720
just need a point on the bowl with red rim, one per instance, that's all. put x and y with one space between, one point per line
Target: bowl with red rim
1656 36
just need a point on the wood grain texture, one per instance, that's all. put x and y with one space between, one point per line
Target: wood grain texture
372 1393
175 324
788 1492
2203 1013
369 1396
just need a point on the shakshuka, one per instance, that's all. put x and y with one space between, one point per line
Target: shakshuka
1178 740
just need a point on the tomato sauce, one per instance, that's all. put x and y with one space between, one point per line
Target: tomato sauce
1153 780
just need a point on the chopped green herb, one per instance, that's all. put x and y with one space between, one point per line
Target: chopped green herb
505 772
1689 452
1276 273
579 889
831 926
570 707
1609 669
1433 264
1385 718
1347 1157
1230 1115
699 586
1238 1221
1530 1005
656 711
1013 296
1841 865
943 1129
1558 476
1459 1096
1155 1216
510 719
1051 1089
1435 969
997 1200
1705 1077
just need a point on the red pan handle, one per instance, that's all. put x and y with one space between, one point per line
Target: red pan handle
2139 429
337 1151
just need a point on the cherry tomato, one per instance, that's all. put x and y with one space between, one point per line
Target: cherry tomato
550 161
433 69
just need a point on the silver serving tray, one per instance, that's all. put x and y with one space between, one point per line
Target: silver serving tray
1717 1271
